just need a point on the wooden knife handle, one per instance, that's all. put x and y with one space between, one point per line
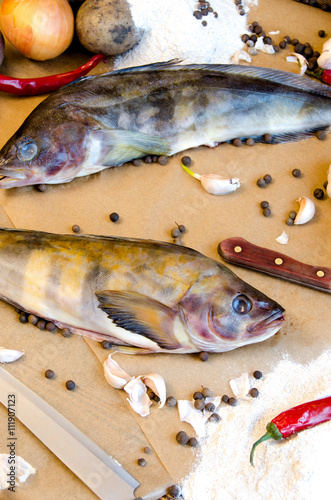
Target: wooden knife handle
243 253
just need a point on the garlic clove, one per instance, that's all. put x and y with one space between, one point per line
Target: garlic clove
217 185
9 355
324 60
115 376
138 398
156 382
306 211
240 386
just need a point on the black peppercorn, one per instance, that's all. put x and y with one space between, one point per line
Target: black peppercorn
319 194
49 374
114 217
257 374
70 385
182 437
254 392
296 172
186 161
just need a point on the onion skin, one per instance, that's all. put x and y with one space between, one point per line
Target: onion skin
39 29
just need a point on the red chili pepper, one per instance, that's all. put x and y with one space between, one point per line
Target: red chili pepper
45 84
326 76
295 420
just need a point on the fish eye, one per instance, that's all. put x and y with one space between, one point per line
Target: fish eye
27 150
241 304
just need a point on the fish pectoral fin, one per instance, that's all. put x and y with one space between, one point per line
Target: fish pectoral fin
140 314
121 146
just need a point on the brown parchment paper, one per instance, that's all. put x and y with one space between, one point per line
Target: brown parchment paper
150 199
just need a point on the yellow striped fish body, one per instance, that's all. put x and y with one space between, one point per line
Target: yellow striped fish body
150 295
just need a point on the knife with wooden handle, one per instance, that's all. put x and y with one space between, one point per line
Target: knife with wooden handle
243 253
98 470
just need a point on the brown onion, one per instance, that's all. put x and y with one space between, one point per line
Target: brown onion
39 29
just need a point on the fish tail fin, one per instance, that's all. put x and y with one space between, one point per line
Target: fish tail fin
141 315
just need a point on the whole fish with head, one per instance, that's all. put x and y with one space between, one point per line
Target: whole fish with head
161 109
141 295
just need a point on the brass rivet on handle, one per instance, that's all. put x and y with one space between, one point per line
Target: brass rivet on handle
320 273
238 249
279 261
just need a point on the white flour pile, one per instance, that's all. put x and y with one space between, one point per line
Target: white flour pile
171 31
294 469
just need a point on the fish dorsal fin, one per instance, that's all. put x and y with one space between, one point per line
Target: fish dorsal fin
286 78
141 315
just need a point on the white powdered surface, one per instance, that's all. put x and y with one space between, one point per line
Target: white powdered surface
297 468
171 31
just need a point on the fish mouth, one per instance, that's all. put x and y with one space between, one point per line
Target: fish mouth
269 326
12 174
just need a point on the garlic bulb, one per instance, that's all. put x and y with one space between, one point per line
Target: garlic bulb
215 184
156 382
39 29
115 376
306 211
8 355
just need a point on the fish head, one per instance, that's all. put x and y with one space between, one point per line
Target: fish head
46 149
223 313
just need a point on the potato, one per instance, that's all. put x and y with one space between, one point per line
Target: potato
2 47
106 27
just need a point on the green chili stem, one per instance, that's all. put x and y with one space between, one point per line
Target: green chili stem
272 433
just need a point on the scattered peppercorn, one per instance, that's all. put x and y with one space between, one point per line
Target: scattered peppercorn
264 204
225 398
267 138
23 318
282 44
207 393
50 327
237 142
105 344
174 491
267 178
321 135
148 159
232 401
41 324
70 385
292 214
181 227
186 160
266 212
193 442
289 221
214 417
141 462
257 374
114 217
41 188
321 33
49 374
65 332
199 404
136 162
261 182
254 392
147 450
210 407
182 437
175 232
296 172
319 194
162 160
33 319
198 395
250 141
203 356
75 228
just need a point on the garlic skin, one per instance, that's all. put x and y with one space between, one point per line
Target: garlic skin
328 188
22 470
9 355
283 238
306 211
115 376
138 398
156 382
300 59
240 386
324 60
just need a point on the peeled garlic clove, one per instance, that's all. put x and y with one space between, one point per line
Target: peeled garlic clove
156 382
8 355
306 211
138 398
215 184
115 376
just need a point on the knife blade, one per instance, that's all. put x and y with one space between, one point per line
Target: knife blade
98 470
243 253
